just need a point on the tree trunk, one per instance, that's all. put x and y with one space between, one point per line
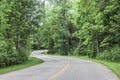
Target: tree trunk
97 43
17 40
17 44
97 46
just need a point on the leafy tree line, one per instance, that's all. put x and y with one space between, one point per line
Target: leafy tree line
56 32
98 28
65 27
82 27
17 26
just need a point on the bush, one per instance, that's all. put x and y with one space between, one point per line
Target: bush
105 55
80 51
112 55
12 58
115 54
9 55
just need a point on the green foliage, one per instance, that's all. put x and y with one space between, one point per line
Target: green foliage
55 33
12 57
105 55
80 50
97 25
112 55
65 27
115 54
16 30
6 60
81 27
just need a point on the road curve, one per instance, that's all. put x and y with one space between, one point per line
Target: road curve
61 68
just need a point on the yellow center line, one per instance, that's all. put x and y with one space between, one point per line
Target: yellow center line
61 71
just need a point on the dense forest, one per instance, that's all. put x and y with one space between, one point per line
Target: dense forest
66 27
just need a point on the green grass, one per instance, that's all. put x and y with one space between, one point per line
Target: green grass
113 66
32 61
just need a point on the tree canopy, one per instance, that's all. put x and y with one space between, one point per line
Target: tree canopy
65 27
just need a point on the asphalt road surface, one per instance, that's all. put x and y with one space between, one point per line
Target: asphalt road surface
61 68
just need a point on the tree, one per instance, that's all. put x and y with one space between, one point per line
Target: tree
16 30
56 28
89 22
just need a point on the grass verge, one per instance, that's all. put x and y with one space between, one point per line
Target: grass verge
32 61
113 66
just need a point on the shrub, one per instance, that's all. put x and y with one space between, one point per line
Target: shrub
12 57
80 50
115 54
112 55
105 55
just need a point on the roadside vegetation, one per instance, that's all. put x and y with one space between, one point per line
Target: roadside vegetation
16 30
82 28
66 27
31 62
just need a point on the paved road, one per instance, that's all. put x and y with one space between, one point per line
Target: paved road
61 68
